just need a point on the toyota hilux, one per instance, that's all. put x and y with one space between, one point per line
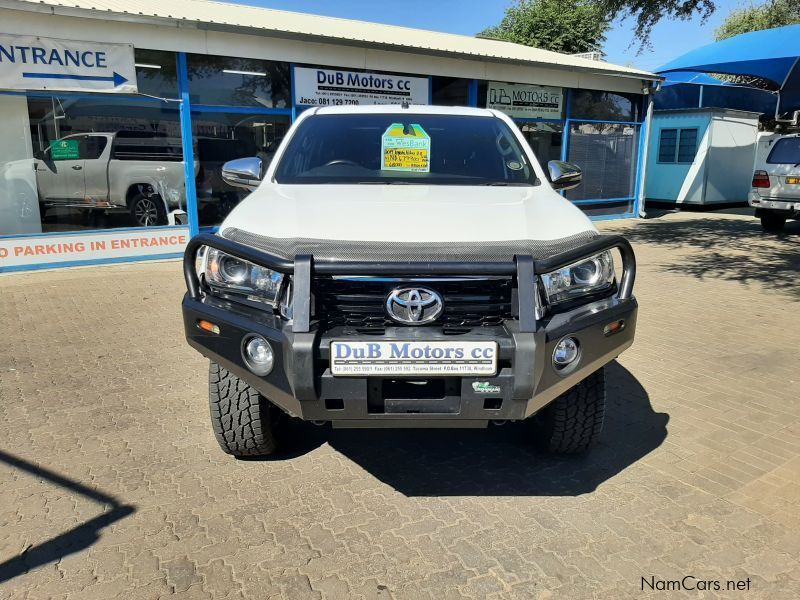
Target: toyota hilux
407 266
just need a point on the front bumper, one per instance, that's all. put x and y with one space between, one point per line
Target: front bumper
302 385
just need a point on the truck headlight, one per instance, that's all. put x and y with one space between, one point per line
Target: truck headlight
589 276
230 275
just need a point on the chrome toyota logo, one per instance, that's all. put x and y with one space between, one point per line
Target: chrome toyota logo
414 306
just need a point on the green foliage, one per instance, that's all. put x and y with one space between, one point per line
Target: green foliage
647 13
568 26
774 13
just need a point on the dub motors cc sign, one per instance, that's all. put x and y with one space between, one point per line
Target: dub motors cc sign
521 101
333 87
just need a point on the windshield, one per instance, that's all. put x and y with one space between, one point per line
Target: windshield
785 152
404 148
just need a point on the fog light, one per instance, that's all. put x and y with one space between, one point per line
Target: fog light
566 352
258 355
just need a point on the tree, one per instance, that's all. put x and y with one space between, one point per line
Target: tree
649 12
774 13
568 26
570 20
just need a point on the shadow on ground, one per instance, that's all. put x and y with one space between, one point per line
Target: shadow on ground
72 541
730 249
498 461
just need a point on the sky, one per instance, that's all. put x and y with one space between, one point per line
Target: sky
468 17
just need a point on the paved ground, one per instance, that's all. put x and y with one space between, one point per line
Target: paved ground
111 484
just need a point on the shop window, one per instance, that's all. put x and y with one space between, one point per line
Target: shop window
69 170
156 73
450 91
605 106
220 137
483 92
227 81
607 154
544 138
677 145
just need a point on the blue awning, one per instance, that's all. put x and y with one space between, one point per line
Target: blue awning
677 77
772 54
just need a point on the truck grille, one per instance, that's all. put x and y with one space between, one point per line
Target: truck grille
360 303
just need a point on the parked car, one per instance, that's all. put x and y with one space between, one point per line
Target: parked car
407 267
141 173
776 180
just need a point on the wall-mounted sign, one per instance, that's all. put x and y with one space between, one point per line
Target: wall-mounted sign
520 101
66 249
331 87
38 63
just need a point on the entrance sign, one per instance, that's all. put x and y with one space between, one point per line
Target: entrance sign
333 87
406 149
520 101
39 63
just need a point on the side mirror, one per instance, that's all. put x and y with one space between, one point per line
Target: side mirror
243 172
564 175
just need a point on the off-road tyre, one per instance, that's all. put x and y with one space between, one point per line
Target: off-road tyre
772 222
573 421
244 422
147 211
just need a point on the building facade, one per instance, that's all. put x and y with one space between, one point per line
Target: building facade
117 116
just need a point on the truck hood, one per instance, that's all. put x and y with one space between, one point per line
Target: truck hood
408 213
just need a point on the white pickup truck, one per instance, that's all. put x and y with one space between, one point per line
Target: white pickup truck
131 171
407 266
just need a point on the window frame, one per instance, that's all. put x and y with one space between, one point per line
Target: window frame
676 151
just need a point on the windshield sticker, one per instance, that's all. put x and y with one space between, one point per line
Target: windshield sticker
406 149
514 165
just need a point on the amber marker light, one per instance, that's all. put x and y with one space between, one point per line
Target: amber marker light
208 326
614 327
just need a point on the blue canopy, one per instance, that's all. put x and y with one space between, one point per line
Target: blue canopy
772 54
677 77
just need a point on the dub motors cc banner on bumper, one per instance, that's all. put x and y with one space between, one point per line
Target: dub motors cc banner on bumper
40 251
334 87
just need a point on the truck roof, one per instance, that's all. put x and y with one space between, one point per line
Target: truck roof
425 109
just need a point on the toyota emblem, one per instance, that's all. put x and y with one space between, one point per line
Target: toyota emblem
414 305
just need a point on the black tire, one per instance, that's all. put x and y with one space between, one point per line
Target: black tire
147 211
772 222
243 420
573 421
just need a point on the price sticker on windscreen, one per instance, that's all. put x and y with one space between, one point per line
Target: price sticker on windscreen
406 148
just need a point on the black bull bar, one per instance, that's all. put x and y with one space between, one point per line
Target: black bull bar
304 266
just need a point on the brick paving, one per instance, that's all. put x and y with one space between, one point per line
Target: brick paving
112 486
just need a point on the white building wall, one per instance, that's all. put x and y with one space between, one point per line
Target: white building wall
730 161
194 40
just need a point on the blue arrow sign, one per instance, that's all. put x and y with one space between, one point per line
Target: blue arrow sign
116 78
